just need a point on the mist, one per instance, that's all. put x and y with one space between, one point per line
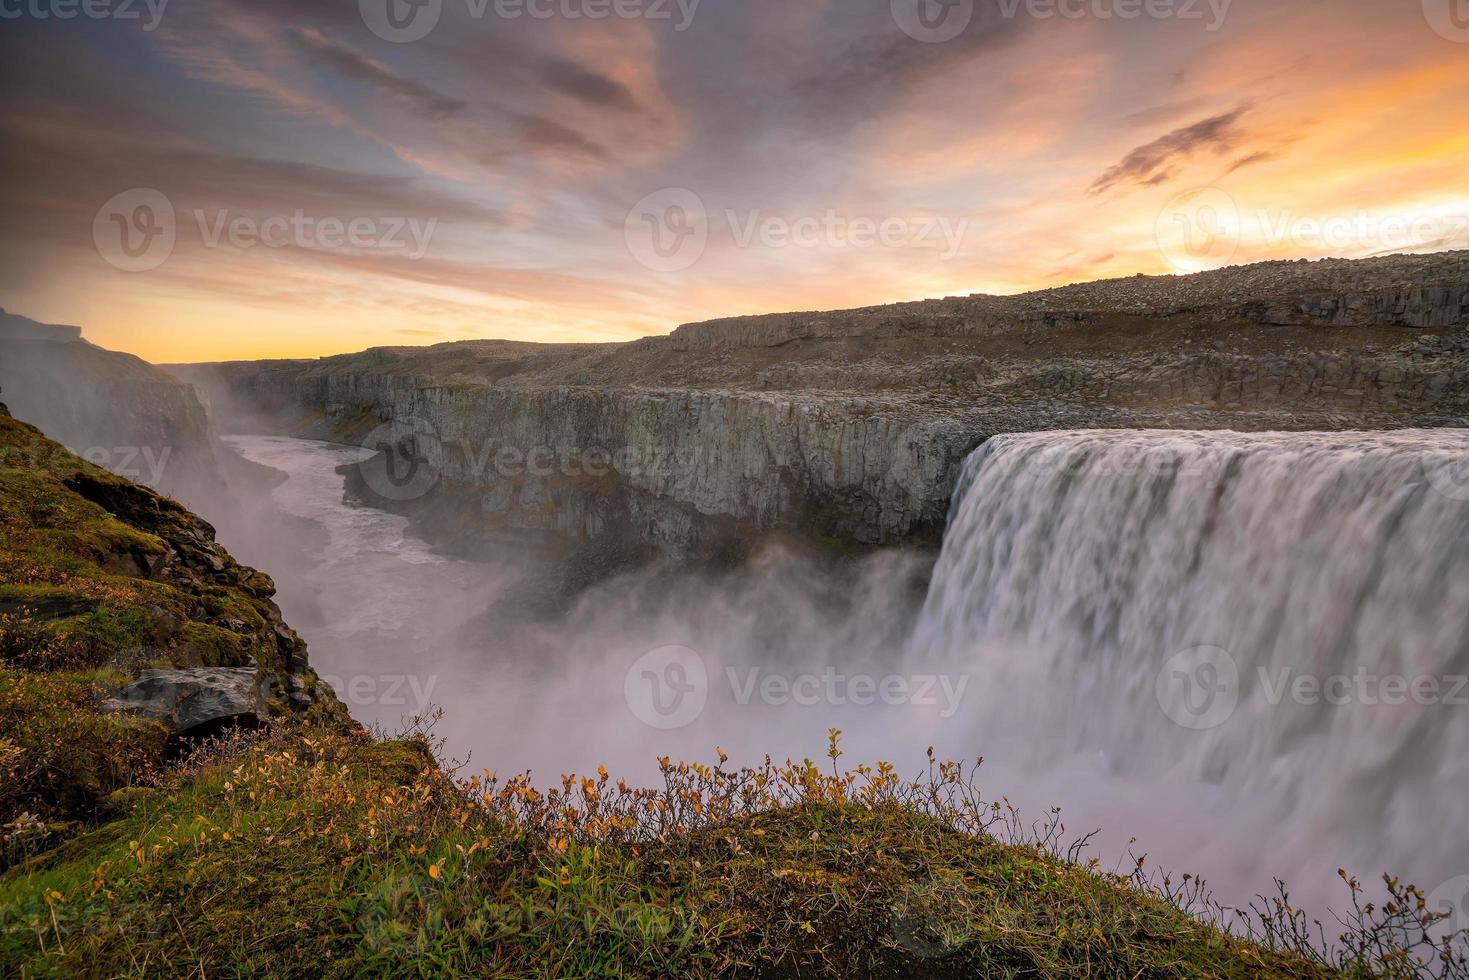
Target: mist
754 659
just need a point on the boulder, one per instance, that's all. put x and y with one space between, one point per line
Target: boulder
195 701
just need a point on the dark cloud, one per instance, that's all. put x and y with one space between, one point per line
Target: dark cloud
547 134
350 63
1155 162
880 67
1264 156
51 184
588 86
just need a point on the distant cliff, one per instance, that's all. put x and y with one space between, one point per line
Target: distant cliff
113 409
853 425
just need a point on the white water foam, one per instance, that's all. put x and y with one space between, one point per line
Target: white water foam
1142 606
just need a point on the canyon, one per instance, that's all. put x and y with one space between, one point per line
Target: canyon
1078 562
850 428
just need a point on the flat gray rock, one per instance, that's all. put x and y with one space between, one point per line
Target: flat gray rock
192 699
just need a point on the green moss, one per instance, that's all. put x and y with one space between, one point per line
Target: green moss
208 645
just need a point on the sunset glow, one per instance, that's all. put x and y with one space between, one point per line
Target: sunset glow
492 169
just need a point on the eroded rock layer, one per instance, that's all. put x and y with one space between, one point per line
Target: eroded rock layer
853 425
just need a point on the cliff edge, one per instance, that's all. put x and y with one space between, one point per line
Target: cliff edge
126 633
113 409
851 426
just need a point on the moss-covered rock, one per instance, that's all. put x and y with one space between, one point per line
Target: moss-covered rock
99 580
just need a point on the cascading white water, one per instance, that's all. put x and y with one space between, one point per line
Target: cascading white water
1282 617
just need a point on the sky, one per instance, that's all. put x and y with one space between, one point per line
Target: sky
198 180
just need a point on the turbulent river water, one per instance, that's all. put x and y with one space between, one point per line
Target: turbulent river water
1248 652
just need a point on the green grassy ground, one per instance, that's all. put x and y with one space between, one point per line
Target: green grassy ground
340 856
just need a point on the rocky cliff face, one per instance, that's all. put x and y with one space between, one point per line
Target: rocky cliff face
126 632
112 409
853 425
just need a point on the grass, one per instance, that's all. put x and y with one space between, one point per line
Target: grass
341 856
309 854
312 848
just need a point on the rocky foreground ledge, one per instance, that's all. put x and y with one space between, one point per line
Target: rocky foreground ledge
851 426
126 634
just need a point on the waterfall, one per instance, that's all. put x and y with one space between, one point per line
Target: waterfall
1284 616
